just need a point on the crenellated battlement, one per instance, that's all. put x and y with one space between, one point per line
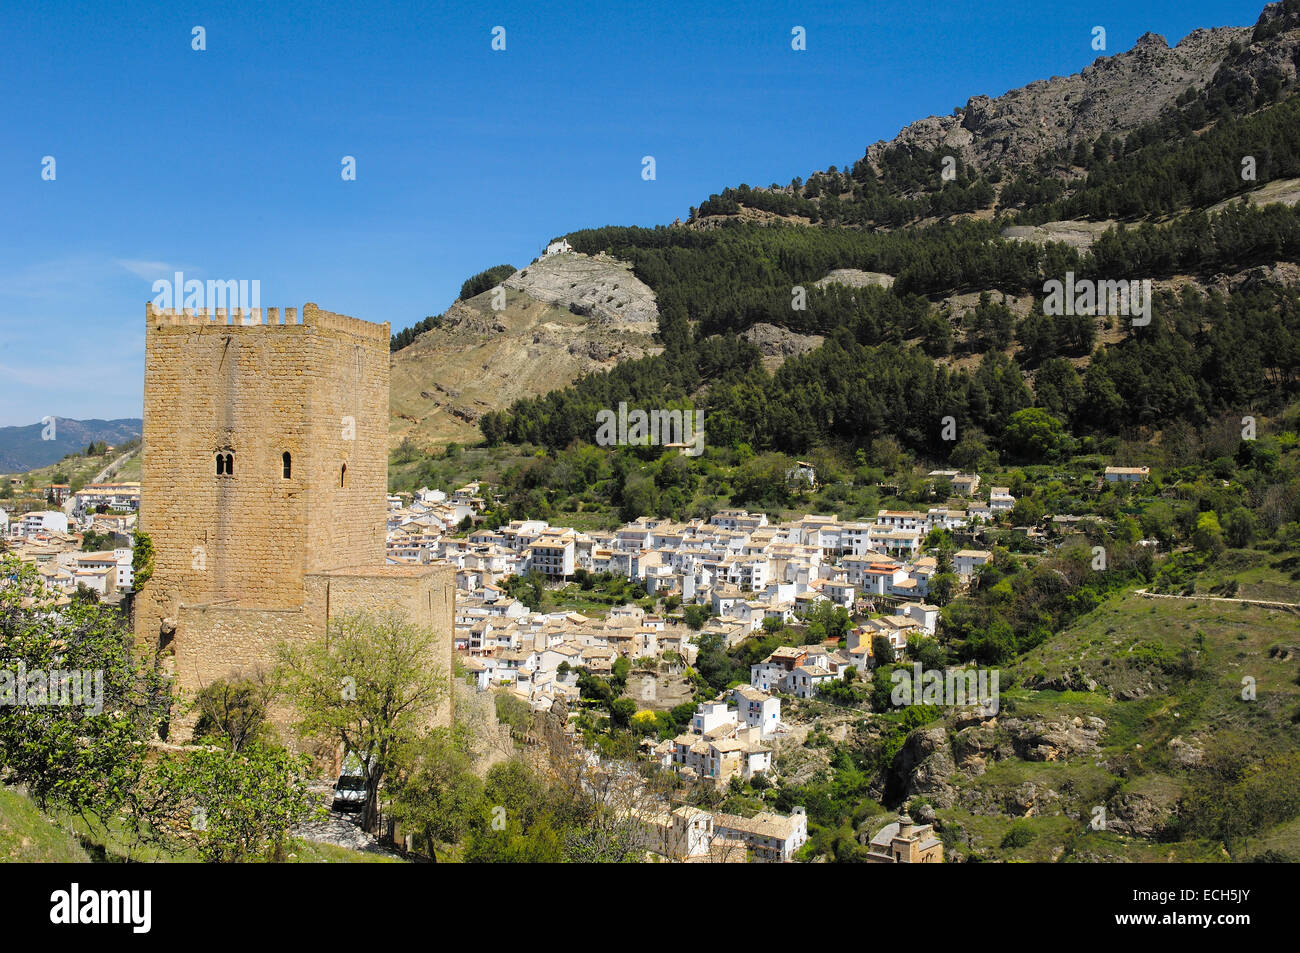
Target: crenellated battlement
312 316
171 317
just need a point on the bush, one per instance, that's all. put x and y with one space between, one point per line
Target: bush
1018 836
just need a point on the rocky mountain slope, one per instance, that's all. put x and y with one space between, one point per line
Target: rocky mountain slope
569 314
564 316
1113 94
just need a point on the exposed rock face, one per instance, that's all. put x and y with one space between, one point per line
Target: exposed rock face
1037 740
925 766
1115 93
564 316
1142 815
1186 754
776 344
1029 799
1078 235
1270 51
1074 680
598 287
931 763
854 278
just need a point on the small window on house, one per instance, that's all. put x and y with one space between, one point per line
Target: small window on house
221 465
343 475
230 464
287 462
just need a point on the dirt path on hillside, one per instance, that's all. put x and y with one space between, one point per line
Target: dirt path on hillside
1253 602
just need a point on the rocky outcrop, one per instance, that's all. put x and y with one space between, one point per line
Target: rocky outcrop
1268 55
1140 814
597 287
1052 740
1073 680
925 766
932 761
1113 94
493 349
854 278
776 344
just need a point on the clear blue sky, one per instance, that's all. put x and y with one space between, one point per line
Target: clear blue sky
226 163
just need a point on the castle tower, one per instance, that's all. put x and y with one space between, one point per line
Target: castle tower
264 485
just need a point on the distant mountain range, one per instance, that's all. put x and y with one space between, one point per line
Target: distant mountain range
24 448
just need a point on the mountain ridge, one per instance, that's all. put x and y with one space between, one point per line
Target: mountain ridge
22 447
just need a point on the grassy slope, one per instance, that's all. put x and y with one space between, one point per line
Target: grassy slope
77 469
1132 647
28 837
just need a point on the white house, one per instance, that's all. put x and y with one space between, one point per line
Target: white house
770 838
807 678
927 616
966 561
1127 474
711 715
44 521
551 553
757 709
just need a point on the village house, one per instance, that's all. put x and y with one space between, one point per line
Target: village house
113 496
966 561
1127 474
770 838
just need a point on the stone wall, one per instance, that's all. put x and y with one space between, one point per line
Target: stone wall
423 595
268 551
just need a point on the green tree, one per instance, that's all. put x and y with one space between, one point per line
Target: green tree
230 806
621 711
440 799
1208 535
882 651
1035 435
141 560
1239 527
942 587
696 616
233 711
371 686
485 281
87 751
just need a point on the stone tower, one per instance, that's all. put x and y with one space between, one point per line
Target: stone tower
264 485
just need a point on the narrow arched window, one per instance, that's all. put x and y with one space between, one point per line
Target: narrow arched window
287 461
221 465
230 464
343 476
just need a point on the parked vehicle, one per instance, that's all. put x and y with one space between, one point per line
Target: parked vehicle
350 788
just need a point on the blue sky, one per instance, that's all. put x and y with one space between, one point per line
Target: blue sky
226 163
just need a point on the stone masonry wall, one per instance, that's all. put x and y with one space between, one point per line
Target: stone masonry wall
256 386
